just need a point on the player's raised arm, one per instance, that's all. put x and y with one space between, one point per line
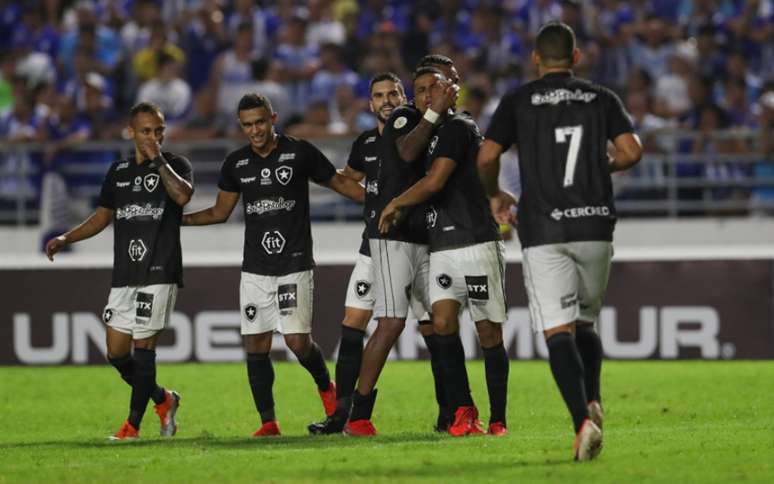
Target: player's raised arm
412 144
216 214
94 224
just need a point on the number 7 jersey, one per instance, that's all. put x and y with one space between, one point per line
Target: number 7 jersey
561 126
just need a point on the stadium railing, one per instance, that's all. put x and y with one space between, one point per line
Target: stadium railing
671 182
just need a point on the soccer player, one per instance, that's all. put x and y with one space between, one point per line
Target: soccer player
272 172
363 164
466 257
399 259
561 126
143 195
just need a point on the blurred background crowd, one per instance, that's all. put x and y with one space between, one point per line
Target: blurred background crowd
69 71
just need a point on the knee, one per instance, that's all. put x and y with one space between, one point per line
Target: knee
564 328
489 334
299 344
443 324
258 343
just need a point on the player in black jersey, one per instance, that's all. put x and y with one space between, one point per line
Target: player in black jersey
272 173
143 195
400 259
466 257
561 126
386 94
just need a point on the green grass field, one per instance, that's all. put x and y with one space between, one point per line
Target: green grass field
665 422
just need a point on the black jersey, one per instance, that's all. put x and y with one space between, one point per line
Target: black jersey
275 196
364 157
146 221
561 125
459 215
396 176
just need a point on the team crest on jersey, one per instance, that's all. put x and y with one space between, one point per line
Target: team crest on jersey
151 181
433 144
362 288
284 174
444 281
107 315
250 312
400 122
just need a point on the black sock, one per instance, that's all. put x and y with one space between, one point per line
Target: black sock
567 368
348 366
260 373
315 365
125 366
496 365
435 366
590 349
362 405
143 384
451 357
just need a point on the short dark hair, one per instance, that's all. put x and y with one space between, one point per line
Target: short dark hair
384 76
254 100
555 43
435 60
145 107
421 71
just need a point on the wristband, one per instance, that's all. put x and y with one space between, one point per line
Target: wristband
431 116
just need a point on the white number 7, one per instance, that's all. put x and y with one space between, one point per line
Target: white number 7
575 133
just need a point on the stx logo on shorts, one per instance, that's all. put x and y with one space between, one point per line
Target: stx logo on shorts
569 300
287 297
362 288
284 174
250 312
151 181
137 250
478 287
107 315
444 280
273 242
144 305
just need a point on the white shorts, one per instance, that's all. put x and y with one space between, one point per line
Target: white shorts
474 276
281 303
360 293
566 282
141 311
400 275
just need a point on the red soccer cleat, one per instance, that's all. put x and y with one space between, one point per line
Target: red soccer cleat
167 410
328 398
126 432
269 429
466 422
360 428
497 429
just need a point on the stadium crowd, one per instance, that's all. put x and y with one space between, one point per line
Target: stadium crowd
69 71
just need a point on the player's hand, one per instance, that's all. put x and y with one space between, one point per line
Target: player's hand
149 148
389 218
55 245
443 95
502 204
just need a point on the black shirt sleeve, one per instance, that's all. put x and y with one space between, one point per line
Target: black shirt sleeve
227 182
618 120
319 167
401 122
355 160
106 192
502 127
454 141
181 165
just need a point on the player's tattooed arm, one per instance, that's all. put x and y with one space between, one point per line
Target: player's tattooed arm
179 189
412 144
218 213
94 224
346 186
426 187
